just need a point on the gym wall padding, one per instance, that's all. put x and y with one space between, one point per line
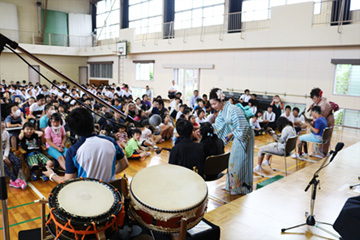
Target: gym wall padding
57 26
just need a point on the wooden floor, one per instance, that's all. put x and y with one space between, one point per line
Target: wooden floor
24 214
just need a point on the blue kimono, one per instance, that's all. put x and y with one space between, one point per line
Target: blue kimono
232 120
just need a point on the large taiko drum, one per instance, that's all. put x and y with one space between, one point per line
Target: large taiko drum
162 195
85 209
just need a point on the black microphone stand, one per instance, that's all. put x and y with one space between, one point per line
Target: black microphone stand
310 218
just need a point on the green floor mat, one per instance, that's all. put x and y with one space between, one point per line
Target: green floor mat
268 181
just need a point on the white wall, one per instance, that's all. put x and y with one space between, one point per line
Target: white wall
285 70
13 68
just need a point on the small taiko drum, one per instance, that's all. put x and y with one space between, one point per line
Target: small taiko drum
85 209
161 196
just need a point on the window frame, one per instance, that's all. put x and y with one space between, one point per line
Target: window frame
202 15
101 70
108 26
141 29
336 62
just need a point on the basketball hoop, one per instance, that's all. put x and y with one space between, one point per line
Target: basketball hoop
121 48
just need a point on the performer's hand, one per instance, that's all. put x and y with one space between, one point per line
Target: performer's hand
229 136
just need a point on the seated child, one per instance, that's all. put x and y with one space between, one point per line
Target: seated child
315 136
255 124
30 142
55 139
15 119
278 147
121 135
167 128
147 137
12 164
132 150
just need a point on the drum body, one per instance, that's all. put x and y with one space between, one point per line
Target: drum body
85 208
164 194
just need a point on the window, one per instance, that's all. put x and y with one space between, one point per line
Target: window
261 9
197 13
144 71
145 16
354 5
101 70
107 19
139 92
347 80
347 118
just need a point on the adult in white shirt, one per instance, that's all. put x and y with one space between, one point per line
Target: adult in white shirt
244 99
287 114
173 90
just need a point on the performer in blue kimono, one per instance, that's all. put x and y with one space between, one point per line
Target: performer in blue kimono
231 124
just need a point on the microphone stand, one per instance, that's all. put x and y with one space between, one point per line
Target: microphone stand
310 218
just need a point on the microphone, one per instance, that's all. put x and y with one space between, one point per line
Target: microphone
310 107
338 147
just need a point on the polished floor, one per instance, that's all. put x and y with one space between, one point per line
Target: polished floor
24 214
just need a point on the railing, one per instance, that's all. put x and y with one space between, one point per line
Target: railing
334 12
50 39
213 25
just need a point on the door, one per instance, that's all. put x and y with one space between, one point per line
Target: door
188 81
83 75
34 77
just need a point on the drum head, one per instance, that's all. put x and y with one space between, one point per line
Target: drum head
168 188
84 201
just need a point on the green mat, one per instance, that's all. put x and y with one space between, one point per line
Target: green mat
268 181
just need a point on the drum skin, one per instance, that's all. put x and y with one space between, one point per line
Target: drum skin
105 224
164 194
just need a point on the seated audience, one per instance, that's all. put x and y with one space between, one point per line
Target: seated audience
187 153
133 150
15 119
315 136
12 164
55 137
210 141
278 147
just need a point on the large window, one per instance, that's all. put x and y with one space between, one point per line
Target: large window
107 19
197 13
347 80
144 71
145 15
261 9
101 70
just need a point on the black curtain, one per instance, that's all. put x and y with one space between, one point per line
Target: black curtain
234 20
169 16
338 14
93 17
124 13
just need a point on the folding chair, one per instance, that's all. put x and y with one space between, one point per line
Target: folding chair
214 166
290 145
325 137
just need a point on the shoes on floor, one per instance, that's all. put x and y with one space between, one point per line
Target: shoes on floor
266 163
21 183
33 176
14 184
258 168
44 178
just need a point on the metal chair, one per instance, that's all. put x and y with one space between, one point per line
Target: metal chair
325 137
290 145
214 167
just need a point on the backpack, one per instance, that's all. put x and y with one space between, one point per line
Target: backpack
247 111
334 106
